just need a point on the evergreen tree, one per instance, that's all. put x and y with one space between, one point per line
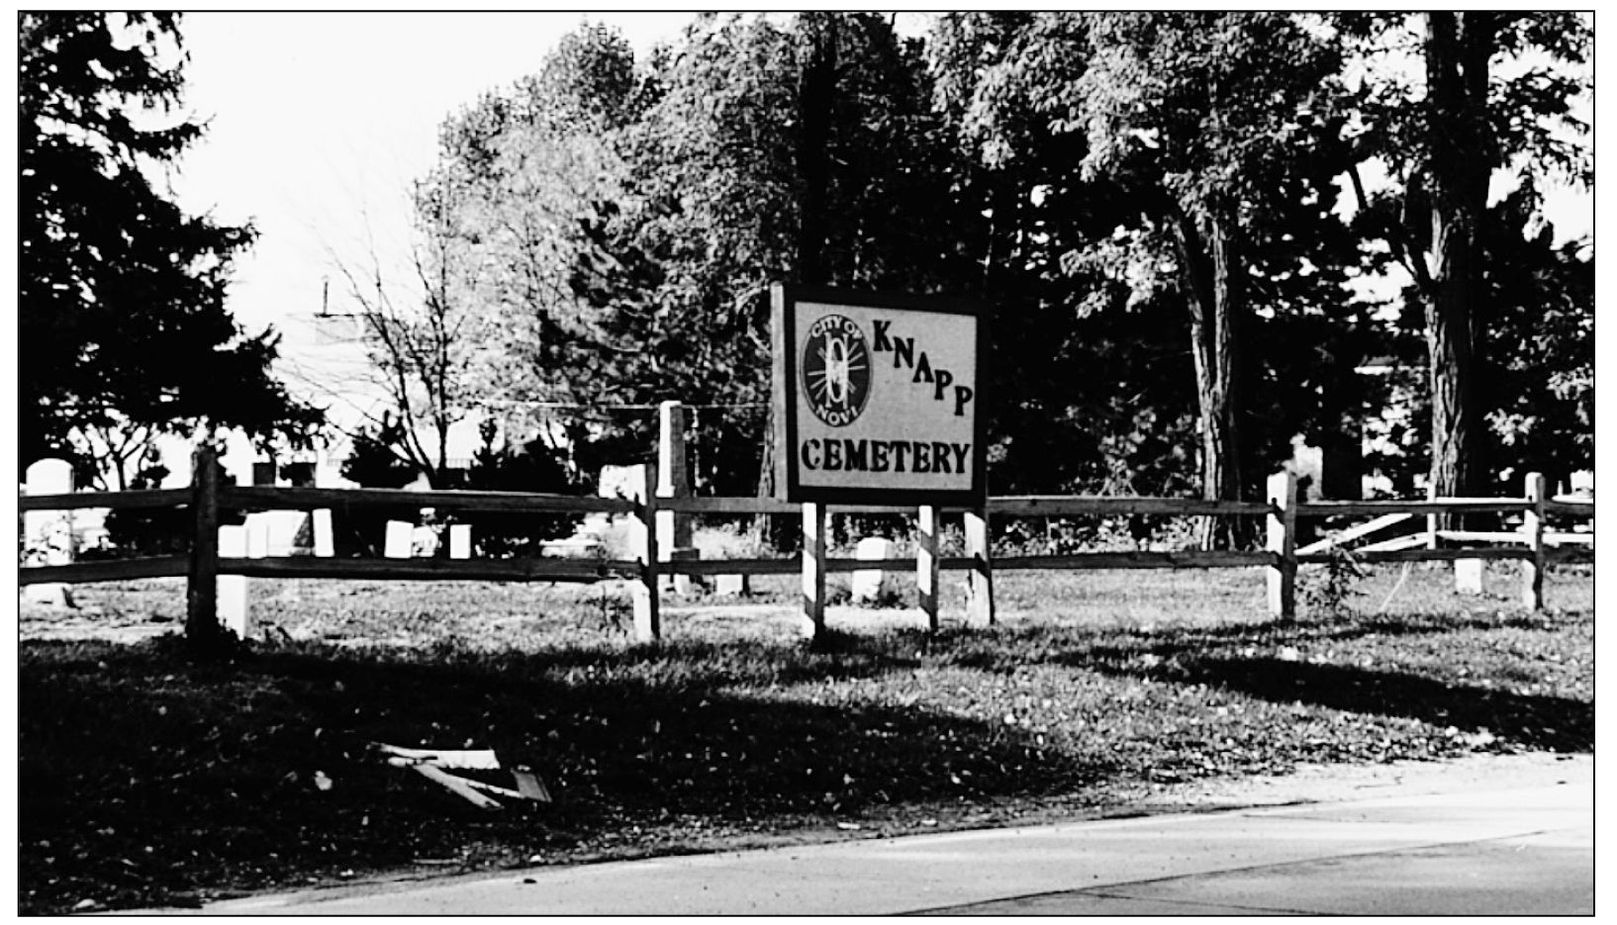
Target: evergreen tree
121 295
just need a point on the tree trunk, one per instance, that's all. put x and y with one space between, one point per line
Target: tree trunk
1462 155
1213 271
1342 446
816 91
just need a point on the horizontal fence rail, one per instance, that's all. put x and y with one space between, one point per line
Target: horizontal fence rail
1534 544
488 502
115 500
1432 506
105 570
1076 505
548 569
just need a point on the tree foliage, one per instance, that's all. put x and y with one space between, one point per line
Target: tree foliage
1494 90
631 217
121 294
532 467
1188 159
1538 346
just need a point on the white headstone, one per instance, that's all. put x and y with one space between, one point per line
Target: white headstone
232 593
398 539
48 535
867 583
324 543
1468 576
729 585
50 477
258 534
460 541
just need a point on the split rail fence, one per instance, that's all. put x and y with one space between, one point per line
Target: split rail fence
1535 544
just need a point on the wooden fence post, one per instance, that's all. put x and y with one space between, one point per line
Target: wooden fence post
647 609
980 580
926 564
1533 527
674 481
813 625
1282 542
202 579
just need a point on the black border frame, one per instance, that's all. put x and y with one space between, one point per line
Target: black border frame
783 315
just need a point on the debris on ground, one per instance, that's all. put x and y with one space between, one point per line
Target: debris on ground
431 764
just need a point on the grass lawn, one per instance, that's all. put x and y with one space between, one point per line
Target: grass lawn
146 778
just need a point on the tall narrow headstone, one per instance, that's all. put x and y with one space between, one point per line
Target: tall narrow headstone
324 543
232 589
258 534
460 541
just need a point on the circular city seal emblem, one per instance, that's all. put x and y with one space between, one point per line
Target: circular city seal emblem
836 370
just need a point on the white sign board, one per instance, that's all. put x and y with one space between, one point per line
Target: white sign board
878 398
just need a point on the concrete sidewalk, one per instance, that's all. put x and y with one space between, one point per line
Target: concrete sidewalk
1503 836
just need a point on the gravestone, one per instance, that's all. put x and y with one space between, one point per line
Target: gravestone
232 589
1468 576
460 541
48 535
258 534
398 539
868 584
324 543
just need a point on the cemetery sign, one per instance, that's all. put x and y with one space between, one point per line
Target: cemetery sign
878 398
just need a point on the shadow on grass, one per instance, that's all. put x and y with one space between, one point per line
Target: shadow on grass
146 775
1212 656
1528 720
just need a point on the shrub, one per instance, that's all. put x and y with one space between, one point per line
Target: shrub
531 467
